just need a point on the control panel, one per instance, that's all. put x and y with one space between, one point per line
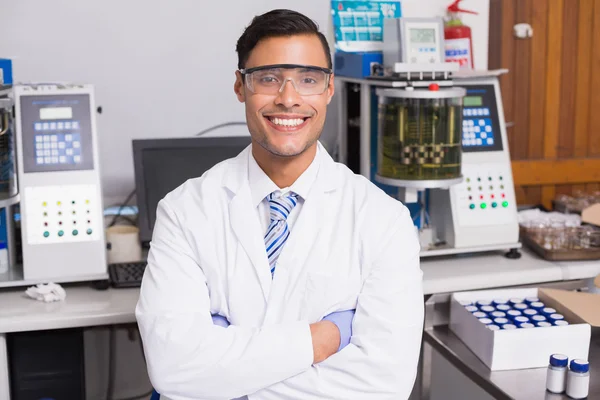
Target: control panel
485 197
61 214
481 129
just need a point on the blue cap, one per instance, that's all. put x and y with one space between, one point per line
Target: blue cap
526 325
520 306
530 300
521 319
503 307
559 360
479 314
498 302
548 311
493 327
487 309
484 303
515 300
509 326
501 321
543 324
580 366
498 314
485 321
556 317
537 305
538 318
530 312
471 309
560 322
514 313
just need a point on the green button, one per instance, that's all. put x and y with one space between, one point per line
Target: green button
468 180
500 178
89 231
46 234
494 204
469 188
75 232
483 206
489 178
505 204
60 233
472 206
478 179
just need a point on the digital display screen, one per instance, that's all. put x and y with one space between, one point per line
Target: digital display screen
422 35
56 113
473 101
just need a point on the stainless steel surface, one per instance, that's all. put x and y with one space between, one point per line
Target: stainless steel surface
525 384
444 251
419 184
443 93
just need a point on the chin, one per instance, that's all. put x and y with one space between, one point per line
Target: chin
286 149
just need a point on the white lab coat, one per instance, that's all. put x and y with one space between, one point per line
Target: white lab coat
352 247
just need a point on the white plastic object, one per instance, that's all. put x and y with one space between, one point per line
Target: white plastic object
578 379
556 377
3 259
523 31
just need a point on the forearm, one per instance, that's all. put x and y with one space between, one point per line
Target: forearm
221 363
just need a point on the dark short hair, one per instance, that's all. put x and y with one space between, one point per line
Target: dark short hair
277 23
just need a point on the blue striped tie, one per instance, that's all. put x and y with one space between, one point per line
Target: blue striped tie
278 231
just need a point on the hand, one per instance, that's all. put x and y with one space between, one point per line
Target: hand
325 339
220 321
343 321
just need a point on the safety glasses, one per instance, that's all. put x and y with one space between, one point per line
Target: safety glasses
308 80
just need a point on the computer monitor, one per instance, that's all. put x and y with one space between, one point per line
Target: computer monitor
162 165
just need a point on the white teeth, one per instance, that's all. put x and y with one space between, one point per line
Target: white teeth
287 121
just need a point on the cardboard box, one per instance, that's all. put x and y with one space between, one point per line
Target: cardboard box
517 348
575 306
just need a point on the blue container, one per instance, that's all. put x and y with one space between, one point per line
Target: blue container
526 325
529 300
6 75
356 65
512 314
530 312
487 309
521 307
547 311
471 309
537 305
515 300
498 302
503 307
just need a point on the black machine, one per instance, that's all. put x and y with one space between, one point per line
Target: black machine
162 165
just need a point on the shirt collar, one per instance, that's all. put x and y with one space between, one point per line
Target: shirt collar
261 185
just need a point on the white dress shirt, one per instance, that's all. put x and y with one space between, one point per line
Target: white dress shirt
261 186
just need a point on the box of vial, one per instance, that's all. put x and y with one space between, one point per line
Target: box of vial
515 328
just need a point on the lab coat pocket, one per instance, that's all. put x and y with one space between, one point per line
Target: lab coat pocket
325 294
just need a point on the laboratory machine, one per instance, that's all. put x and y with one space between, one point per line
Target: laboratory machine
50 189
435 138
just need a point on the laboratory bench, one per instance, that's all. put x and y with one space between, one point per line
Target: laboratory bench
85 306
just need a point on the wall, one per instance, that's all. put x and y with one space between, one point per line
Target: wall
161 69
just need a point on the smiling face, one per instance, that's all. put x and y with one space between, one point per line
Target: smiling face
285 124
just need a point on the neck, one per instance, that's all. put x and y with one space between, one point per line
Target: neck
283 171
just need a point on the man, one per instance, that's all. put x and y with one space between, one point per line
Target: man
275 241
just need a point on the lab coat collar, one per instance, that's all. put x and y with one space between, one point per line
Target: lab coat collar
261 185
246 225
237 172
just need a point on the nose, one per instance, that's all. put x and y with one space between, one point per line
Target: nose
288 96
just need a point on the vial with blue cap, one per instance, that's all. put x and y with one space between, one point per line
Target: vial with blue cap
561 323
498 302
479 314
471 309
498 314
547 311
556 376
530 312
526 325
501 321
482 303
514 301
538 318
578 379
529 300
512 314
508 327
520 320
503 307
556 317
537 306
493 327
487 309
485 321
543 324
521 307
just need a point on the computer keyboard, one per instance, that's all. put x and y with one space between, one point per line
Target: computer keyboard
123 275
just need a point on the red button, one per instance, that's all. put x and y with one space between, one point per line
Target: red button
503 195
492 196
434 87
481 197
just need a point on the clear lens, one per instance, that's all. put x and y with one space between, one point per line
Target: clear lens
306 81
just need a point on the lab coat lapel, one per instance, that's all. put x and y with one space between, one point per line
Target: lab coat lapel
244 220
306 231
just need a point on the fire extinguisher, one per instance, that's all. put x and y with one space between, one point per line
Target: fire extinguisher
459 42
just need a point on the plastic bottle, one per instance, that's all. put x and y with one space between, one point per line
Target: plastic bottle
578 379
3 258
556 377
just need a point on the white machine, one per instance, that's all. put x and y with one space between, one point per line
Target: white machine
61 220
436 139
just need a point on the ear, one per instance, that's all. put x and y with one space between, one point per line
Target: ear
330 88
239 88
